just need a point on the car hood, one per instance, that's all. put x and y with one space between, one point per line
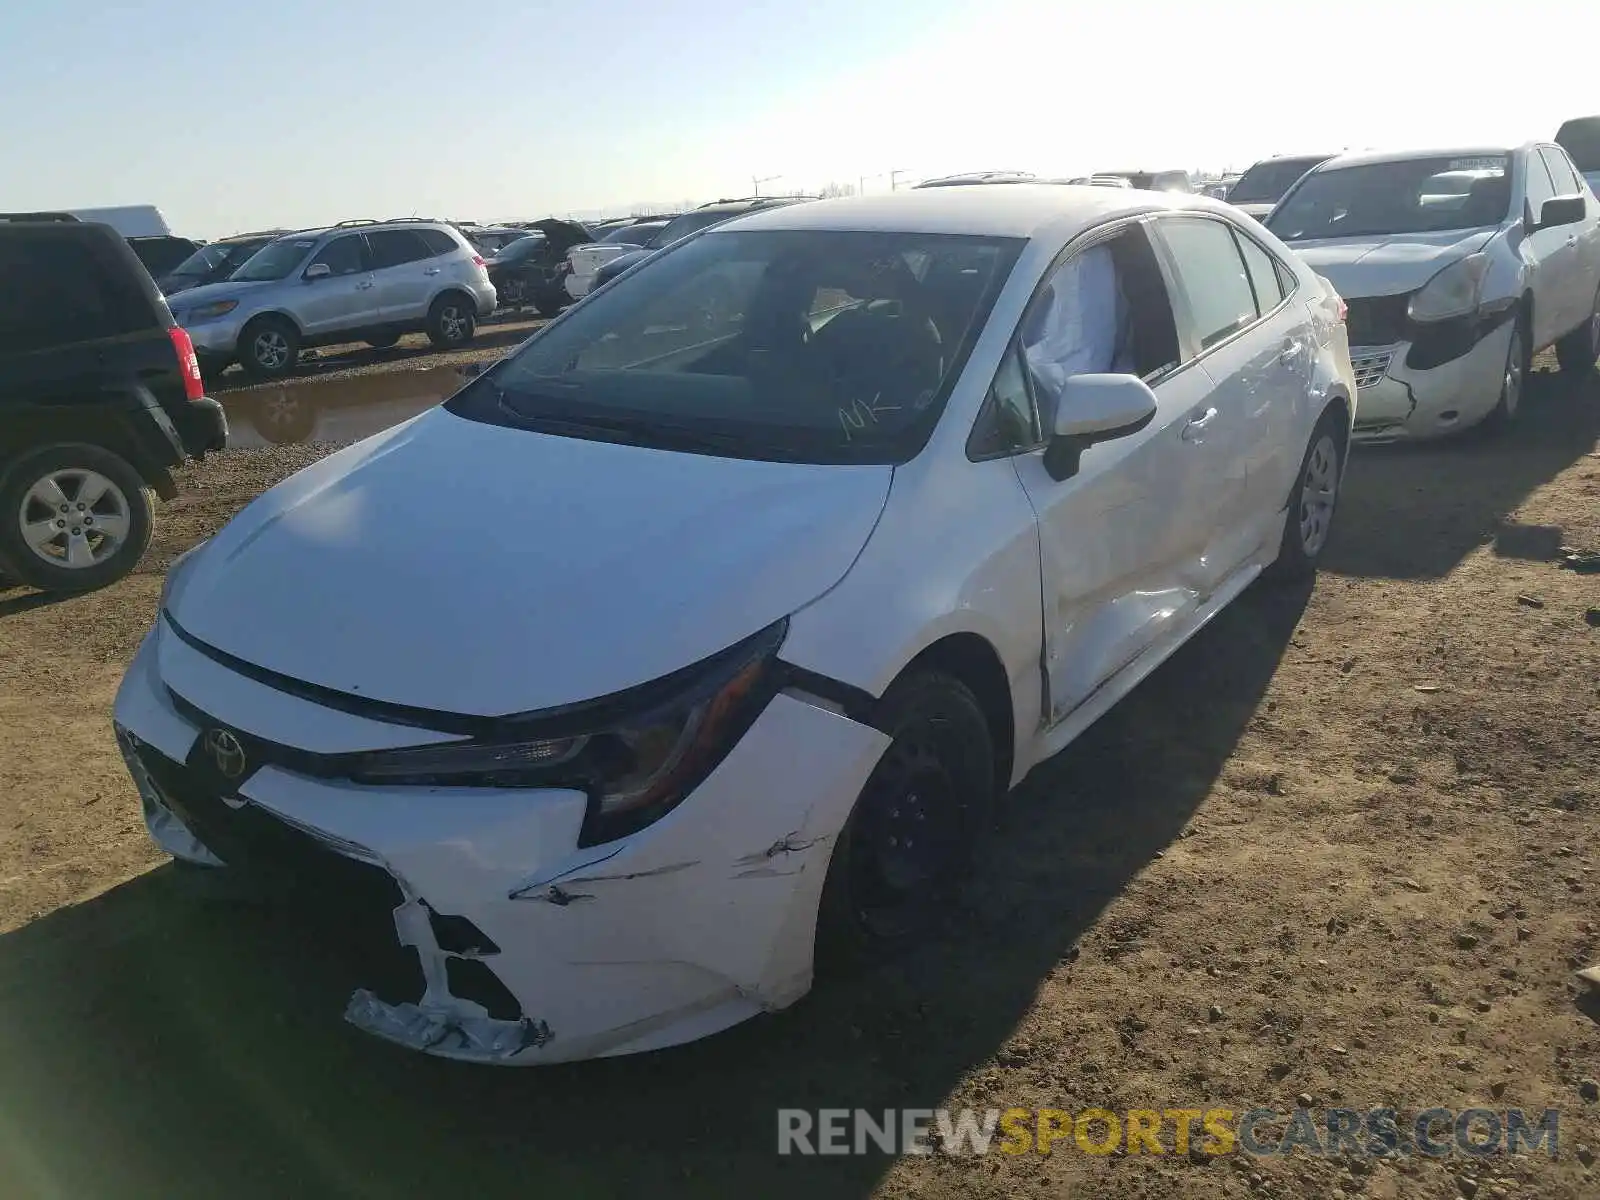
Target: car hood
475 569
1388 265
227 289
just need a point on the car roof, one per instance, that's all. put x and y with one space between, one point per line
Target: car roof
1361 158
1047 211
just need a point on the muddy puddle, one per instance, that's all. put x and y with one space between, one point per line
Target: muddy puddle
335 410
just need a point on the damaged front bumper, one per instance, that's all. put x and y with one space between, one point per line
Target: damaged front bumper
516 945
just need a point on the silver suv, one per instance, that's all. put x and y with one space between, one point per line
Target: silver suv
367 281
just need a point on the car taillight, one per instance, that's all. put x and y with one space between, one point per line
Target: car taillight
479 260
194 387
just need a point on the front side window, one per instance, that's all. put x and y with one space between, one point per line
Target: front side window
275 260
1213 275
803 345
1562 175
343 255
1412 195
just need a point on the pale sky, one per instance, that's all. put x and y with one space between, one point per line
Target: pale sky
240 116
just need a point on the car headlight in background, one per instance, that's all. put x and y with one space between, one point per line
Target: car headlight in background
636 754
1455 291
208 312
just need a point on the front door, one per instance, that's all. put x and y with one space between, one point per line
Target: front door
342 299
1118 539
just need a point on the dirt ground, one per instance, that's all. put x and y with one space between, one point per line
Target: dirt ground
1341 846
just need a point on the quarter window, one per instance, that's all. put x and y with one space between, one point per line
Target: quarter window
1214 278
437 241
1264 277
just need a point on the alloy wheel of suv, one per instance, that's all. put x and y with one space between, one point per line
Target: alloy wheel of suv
451 321
268 348
75 517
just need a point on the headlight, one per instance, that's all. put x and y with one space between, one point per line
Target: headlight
636 754
208 312
1453 292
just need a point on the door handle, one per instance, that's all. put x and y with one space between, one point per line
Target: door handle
1197 425
1291 351
1573 240
431 271
363 285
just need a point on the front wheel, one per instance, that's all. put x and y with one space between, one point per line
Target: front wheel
1316 496
1504 414
452 321
1580 350
73 517
909 838
269 348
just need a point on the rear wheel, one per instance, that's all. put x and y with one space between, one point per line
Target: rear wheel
1579 350
452 321
1311 507
909 838
73 517
269 347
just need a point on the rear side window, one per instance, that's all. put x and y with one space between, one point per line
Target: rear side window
395 247
58 291
1213 275
437 241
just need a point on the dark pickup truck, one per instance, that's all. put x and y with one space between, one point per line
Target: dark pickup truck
100 398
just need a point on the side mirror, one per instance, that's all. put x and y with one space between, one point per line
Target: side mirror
1095 408
317 271
1563 210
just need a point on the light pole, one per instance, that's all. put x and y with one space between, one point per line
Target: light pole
894 178
759 181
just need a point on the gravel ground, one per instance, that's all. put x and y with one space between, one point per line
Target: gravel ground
1340 848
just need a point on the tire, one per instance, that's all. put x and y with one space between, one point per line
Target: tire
452 321
936 778
1507 408
91 542
1580 350
269 348
1313 502
383 341
548 306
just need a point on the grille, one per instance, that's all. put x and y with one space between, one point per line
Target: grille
1377 320
1371 365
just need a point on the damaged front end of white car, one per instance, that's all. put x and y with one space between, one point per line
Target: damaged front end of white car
526 922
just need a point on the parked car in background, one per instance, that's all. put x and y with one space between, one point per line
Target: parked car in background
1264 184
368 281
1580 138
1116 181
533 270
901 524
146 230
100 397
215 261
683 225
586 260
490 240
1457 266
1154 181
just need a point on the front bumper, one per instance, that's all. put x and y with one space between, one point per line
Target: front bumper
530 949
1396 402
215 339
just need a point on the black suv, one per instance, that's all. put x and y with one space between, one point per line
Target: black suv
100 397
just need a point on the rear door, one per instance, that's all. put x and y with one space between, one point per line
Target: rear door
1120 537
1242 362
346 297
405 271
1273 451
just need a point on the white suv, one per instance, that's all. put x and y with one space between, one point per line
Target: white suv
367 281
1457 266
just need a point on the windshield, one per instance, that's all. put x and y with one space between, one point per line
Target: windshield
520 249
214 259
800 345
1415 195
1267 181
275 260
1580 138
679 228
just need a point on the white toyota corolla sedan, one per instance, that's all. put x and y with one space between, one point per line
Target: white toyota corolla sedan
706 627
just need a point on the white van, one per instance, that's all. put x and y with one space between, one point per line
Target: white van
130 220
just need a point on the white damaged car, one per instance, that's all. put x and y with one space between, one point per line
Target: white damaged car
1458 266
687 640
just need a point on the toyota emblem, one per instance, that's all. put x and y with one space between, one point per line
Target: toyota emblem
226 753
